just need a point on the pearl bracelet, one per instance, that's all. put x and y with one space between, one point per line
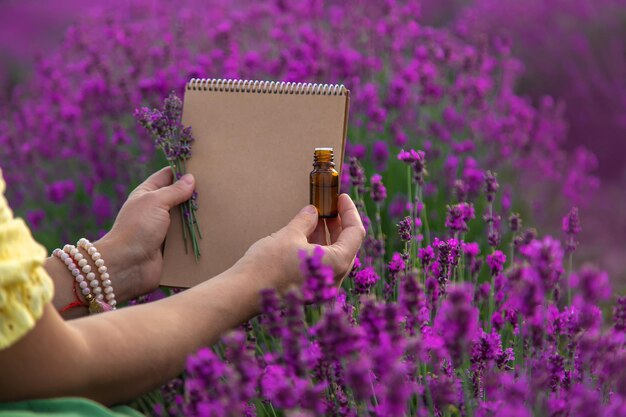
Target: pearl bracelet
78 277
95 305
102 270
85 268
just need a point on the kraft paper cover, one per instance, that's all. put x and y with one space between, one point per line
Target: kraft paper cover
251 159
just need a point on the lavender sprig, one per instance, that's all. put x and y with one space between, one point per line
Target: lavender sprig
174 140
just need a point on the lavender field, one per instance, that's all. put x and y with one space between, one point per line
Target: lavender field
486 157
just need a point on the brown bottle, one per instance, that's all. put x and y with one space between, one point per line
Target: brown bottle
324 183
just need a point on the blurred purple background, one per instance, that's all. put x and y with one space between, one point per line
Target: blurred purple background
574 50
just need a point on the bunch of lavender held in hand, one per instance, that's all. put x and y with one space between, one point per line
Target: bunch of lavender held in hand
175 141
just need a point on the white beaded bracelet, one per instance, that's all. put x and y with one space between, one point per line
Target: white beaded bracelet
85 268
95 305
102 270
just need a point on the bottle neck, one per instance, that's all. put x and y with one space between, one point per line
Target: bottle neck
323 165
323 158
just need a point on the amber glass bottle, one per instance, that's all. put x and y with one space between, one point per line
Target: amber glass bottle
324 183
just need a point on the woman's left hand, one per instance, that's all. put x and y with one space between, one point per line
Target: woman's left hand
132 248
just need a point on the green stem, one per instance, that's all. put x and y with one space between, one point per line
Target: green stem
469 408
424 218
569 277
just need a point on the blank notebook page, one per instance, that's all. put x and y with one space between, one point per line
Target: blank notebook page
252 155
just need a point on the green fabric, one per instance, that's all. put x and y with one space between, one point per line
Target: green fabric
71 407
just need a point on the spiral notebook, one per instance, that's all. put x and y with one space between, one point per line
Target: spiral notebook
252 155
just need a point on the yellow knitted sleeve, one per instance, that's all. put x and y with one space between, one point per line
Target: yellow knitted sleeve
25 287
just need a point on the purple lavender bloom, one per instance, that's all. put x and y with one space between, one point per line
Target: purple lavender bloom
496 261
411 156
426 255
507 396
546 257
527 291
272 314
102 209
471 249
356 150
417 160
571 227
166 129
445 390
282 389
358 377
413 303
457 322
460 190
486 348
515 222
458 216
473 177
396 264
365 279
59 191
357 174
378 191
619 314
593 285
336 337
404 229
319 279
380 154
491 186
34 218
398 205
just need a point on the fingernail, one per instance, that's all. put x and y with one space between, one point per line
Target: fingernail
310 209
187 179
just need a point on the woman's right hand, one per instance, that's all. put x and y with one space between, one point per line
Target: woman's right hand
274 259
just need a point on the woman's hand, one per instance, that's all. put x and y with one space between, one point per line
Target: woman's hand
274 259
132 248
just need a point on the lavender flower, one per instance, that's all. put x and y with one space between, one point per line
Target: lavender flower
365 279
496 262
404 229
413 302
593 284
59 191
426 255
491 186
515 222
175 141
457 322
319 279
380 154
458 215
357 175
571 228
417 160
378 191
619 314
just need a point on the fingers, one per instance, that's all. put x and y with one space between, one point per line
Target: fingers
319 234
348 240
305 221
161 178
334 228
177 193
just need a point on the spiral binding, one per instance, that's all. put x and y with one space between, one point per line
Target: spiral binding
271 87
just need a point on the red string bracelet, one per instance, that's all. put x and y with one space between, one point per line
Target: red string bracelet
77 303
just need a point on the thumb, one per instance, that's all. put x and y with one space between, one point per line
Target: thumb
177 193
305 221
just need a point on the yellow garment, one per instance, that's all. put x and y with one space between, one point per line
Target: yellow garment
25 287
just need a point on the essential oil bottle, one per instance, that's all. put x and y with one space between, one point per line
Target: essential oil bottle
324 183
